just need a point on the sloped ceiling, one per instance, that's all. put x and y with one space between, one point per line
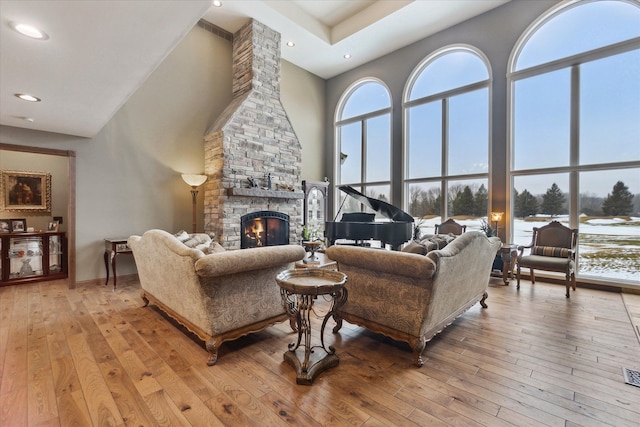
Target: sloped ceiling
99 52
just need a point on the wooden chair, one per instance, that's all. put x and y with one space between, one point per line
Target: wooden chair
552 248
450 226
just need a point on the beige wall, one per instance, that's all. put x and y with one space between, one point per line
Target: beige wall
128 176
302 96
58 167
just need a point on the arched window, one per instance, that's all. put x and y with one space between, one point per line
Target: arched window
575 130
446 145
363 143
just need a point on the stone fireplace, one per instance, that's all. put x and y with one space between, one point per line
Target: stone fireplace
252 155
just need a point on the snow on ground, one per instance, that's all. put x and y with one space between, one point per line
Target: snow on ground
621 239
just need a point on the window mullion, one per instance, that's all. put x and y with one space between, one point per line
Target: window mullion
445 155
363 171
574 144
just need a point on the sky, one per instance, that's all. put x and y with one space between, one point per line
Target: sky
609 108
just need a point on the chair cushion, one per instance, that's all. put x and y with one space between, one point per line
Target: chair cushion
551 251
548 263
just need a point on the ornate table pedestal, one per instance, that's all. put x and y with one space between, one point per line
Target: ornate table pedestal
299 288
509 253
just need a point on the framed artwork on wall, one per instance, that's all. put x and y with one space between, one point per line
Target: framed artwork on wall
25 191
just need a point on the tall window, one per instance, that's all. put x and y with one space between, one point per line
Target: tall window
575 132
446 119
363 136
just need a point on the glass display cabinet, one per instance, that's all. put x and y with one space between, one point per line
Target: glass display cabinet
32 257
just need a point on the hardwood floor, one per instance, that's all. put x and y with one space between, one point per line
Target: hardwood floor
93 357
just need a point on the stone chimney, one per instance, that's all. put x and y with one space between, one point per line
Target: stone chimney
252 139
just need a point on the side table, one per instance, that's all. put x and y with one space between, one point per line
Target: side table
299 288
509 254
112 248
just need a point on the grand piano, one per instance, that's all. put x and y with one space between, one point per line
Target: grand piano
360 226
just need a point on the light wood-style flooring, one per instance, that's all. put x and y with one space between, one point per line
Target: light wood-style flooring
93 357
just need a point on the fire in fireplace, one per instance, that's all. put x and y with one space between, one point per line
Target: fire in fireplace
264 228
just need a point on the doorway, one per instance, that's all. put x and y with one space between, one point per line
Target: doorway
71 206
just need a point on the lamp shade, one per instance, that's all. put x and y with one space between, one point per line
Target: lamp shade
496 216
194 180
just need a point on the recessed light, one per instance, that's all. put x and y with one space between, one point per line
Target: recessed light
347 55
27 97
216 3
291 44
29 31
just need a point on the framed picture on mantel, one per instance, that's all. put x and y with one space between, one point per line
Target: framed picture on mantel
315 205
25 191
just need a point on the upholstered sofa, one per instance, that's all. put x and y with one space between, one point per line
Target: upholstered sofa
411 297
218 296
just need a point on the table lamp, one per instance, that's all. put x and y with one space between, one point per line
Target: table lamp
194 181
496 217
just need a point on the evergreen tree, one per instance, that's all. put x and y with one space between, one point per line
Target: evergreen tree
619 201
436 204
553 201
463 203
525 204
481 201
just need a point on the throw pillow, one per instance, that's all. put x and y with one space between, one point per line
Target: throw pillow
438 241
182 235
415 247
213 248
195 240
550 251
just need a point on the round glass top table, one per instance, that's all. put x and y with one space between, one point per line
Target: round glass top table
299 288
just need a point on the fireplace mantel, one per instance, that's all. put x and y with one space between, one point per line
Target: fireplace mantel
258 192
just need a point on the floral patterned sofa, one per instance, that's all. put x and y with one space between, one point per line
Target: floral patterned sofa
411 297
219 296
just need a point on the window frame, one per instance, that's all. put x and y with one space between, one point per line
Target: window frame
363 184
573 63
444 178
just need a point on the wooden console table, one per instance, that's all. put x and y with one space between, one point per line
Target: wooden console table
113 248
299 288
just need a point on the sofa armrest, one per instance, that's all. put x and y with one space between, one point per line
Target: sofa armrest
382 260
242 260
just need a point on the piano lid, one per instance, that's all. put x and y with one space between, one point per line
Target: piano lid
386 209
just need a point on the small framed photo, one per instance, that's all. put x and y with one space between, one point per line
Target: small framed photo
5 226
52 227
18 225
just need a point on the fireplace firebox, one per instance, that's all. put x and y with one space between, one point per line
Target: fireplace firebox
264 228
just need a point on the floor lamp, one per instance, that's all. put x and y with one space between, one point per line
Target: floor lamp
194 181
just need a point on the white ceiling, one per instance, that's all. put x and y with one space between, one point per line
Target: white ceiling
99 52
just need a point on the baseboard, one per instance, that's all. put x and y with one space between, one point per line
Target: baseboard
122 280
582 284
